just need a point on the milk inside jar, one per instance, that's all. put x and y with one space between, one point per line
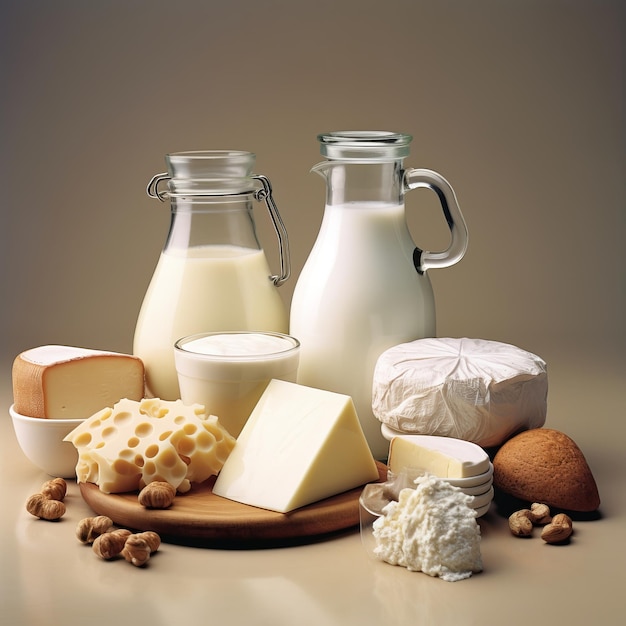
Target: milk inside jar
368 297
364 287
212 274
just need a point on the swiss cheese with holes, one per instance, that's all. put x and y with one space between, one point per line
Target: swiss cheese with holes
135 443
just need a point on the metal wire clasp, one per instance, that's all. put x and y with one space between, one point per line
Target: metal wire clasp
265 194
153 186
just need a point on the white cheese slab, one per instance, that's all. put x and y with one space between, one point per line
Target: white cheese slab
299 445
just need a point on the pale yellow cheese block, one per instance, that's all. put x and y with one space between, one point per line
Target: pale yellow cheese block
125 447
444 457
65 382
299 445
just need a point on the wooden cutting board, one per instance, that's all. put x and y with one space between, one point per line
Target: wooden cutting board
202 518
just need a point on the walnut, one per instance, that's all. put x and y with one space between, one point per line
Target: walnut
540 514
109 545
520 523
137 549
157 495
42 507
90 528
54 489
558 530
152 538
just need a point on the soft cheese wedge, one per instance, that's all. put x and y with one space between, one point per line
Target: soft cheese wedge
299 445
64 382
444 457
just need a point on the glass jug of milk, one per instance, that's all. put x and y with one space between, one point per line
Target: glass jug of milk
212 274
364 287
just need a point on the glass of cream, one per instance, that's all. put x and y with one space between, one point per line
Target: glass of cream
227 372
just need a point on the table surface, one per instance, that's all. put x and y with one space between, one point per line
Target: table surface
48 577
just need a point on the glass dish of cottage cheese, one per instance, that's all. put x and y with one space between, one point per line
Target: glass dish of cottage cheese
424 524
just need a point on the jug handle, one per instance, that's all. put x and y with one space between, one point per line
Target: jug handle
422 259
265 193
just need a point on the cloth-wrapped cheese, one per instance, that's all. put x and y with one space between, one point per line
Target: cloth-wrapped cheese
473 389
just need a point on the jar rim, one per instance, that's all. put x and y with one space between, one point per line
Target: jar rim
364 144
205 155
210 171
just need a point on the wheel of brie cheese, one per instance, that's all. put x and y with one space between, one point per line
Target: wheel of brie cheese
473 389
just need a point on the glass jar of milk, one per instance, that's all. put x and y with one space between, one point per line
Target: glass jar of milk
364 287
212 274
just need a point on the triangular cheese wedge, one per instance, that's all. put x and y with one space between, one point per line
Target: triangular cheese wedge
299 445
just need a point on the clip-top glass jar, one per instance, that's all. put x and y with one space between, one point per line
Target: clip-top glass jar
212 274
364 287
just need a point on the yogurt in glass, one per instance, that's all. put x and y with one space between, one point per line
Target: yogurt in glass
227 372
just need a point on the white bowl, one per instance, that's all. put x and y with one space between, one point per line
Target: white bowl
482 510
473 481
482 500
479 490
471 485
41 440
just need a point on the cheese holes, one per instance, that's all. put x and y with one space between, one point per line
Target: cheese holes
144 429
122 417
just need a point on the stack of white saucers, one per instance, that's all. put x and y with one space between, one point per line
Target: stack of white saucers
478 485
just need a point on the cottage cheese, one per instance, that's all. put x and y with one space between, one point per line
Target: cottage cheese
430 529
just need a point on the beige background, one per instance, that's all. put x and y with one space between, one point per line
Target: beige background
520 104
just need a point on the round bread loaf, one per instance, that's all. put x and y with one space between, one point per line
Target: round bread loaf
545 465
